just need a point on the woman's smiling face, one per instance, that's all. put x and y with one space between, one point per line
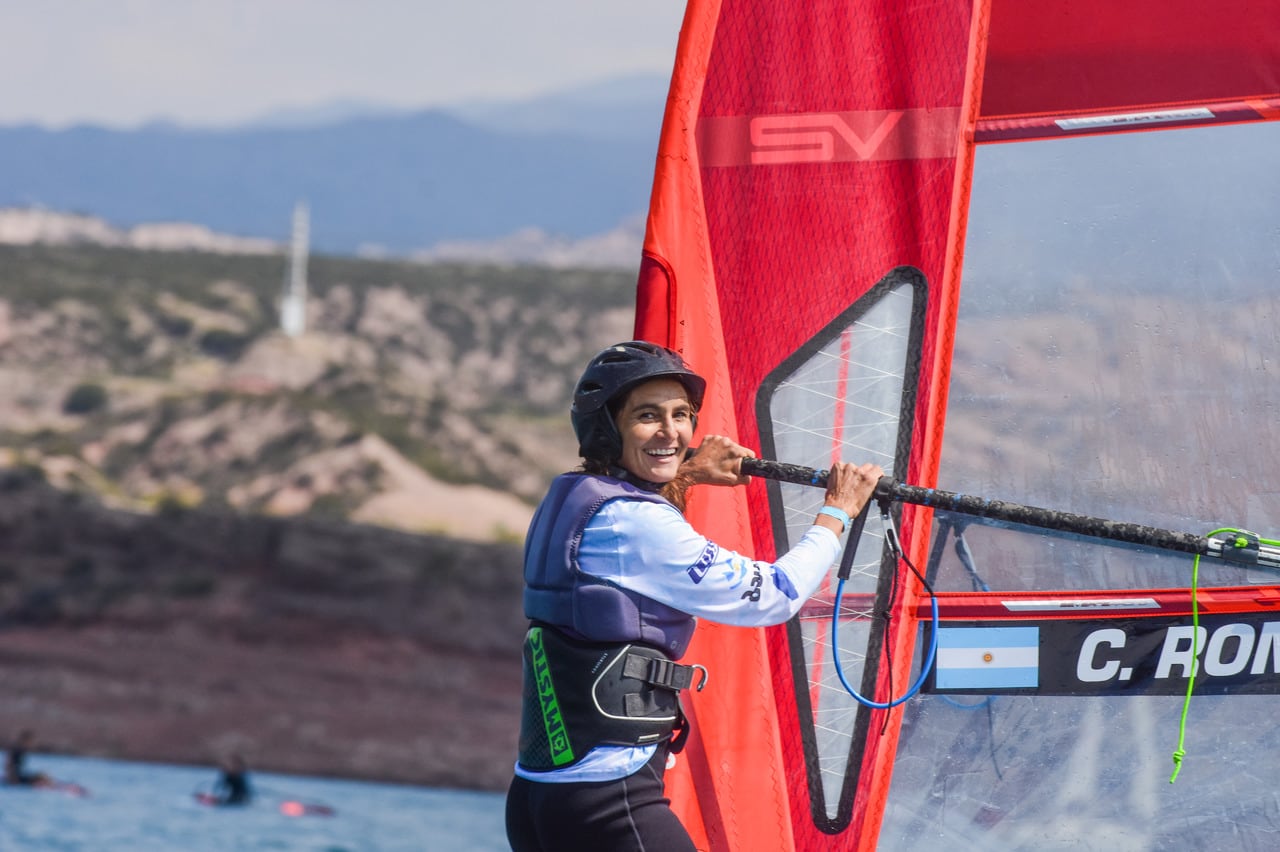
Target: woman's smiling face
656 425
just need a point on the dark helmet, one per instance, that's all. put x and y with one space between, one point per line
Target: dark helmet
608 378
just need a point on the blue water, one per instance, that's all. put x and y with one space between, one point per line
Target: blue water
146 807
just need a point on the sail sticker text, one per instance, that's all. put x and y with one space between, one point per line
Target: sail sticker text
1225 652
1238 653
1093 122
827 137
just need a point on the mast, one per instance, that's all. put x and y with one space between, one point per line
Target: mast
293 305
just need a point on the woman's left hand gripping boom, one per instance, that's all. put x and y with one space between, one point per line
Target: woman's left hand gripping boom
716 461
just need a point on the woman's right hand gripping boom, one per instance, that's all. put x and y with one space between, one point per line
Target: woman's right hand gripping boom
849 487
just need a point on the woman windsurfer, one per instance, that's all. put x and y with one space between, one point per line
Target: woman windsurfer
614 579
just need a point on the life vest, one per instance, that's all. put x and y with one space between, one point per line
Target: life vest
584 607
599 660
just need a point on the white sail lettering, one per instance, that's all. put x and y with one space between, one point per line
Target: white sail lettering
1177 650
1214 664
1268 649
1086 670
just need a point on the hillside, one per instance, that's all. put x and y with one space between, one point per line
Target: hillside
215 537
429 398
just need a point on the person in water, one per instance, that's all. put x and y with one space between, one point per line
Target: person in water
232 787
14 770
614 580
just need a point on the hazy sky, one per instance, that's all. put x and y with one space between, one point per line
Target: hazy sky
124 62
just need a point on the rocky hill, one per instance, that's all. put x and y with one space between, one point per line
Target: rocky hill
430 398
215 536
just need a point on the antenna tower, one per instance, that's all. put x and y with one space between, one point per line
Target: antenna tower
293 307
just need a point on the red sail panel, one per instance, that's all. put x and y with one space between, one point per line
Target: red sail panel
808 149
1056 57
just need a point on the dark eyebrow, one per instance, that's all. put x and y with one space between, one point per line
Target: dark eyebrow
653 406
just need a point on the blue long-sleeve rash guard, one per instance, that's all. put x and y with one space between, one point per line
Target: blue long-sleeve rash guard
649 548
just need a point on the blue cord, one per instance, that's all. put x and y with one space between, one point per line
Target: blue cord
924 669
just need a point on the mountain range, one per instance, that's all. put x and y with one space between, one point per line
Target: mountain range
564 180
565 167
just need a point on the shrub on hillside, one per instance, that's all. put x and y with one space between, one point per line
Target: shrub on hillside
221 343
85 398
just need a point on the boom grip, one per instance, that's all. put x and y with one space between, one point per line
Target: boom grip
1032 516
796 474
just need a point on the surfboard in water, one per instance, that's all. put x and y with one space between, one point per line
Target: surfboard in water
53 785
1051 228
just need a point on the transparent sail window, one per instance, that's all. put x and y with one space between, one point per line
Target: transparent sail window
842 399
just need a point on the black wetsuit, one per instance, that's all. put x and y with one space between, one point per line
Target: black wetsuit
633 812
233 788
13 773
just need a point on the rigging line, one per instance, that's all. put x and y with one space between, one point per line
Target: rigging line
965 556
887 615
952 526
891 541
1180 751
991 736
1239 539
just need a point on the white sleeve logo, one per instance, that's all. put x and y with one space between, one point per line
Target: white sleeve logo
699 569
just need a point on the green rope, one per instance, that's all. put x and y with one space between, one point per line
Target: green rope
1180 752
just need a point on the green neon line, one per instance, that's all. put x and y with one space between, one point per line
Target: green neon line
557 736
1240 541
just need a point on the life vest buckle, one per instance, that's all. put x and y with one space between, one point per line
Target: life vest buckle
663 672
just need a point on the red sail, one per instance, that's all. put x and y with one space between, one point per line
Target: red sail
811 199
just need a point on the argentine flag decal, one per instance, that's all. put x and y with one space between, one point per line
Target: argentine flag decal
988 658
